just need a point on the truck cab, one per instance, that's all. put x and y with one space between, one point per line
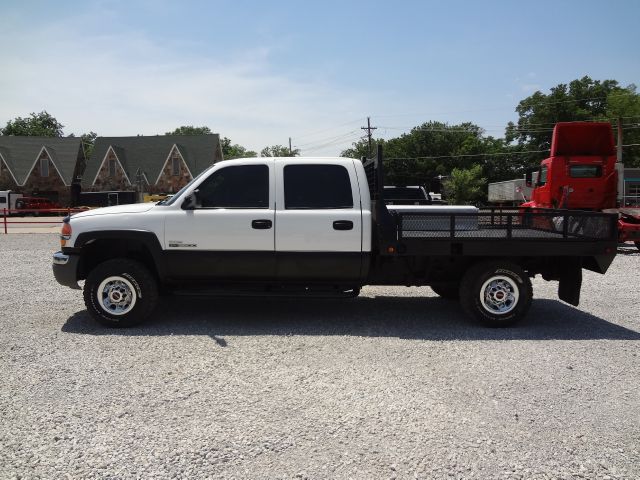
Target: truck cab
580 172
249 220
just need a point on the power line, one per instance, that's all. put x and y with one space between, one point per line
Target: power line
331 143
480 130
484 154
327 139
310 134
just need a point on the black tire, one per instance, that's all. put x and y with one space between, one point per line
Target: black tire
496 293
450 292
120 293
637 245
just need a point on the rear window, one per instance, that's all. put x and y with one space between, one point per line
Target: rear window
585 171
317 187
403 194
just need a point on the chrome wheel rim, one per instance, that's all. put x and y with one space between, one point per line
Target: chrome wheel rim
499 295
116 295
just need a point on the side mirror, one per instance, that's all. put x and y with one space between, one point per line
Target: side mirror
191 201
528 178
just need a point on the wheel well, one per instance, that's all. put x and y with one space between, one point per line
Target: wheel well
98 251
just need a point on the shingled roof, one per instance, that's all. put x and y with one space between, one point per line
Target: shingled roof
20 154
149 154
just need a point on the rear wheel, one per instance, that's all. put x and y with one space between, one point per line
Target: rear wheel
498 294
120 293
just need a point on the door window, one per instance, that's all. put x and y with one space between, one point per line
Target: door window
542 179
242 186
317 187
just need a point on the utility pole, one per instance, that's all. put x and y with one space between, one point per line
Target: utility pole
290 151
369 128
619 150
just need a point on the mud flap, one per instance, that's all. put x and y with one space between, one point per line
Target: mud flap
571 281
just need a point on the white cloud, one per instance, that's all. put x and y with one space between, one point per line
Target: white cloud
127 84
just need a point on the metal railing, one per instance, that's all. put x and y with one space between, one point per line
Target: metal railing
535 224
38 216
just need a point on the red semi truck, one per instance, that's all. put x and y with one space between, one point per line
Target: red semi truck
581 173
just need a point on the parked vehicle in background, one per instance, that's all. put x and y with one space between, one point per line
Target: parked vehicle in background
411 195
582 173
8 199
35 206
156 197
107 198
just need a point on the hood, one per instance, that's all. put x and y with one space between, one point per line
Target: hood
129 208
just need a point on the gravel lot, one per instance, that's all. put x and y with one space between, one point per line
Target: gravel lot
396 383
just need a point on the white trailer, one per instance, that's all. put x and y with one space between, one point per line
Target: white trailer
511 192
8 200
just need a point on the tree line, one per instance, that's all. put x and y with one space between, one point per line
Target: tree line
461 154
468 159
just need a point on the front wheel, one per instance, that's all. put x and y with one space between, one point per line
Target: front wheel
120 293
496 293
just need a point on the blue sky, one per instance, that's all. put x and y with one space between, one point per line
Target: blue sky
260 72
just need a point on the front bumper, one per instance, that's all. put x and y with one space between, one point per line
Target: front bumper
65 269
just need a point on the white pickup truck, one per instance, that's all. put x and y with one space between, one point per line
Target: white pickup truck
319 226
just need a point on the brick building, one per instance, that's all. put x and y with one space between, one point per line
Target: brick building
158 164
41 166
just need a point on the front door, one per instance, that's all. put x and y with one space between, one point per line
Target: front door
230 235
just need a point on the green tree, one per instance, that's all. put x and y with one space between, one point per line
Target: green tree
624 107
431 150
230 150
465 186
190 130
88 141
360 148
580 100
37 125
279 151
434 149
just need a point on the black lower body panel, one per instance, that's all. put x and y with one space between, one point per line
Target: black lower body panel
267 266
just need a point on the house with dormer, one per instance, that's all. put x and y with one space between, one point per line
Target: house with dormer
47 167
155 164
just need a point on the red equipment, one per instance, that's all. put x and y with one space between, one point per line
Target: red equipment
581 174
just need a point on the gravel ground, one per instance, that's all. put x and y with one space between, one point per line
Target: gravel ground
397 383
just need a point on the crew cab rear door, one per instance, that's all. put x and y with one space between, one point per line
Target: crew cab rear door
318 221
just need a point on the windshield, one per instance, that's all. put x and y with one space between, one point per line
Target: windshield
172 200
